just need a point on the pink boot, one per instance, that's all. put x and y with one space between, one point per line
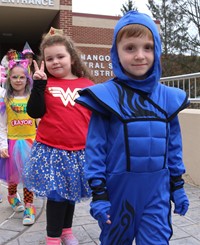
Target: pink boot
53 241
68 238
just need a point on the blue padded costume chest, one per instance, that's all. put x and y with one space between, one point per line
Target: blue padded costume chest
139 123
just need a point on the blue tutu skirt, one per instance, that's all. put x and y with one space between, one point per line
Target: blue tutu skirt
51 170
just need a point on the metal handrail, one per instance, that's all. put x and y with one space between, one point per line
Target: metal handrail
190 83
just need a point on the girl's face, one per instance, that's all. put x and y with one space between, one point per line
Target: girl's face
58 61
18 81
29 57
136 55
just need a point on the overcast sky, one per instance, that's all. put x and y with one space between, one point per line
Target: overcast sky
106 7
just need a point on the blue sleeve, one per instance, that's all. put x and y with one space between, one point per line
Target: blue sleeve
175 158
96 145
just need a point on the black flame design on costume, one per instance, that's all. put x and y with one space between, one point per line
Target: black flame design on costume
136 104
125 220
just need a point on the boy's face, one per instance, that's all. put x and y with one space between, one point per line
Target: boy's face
136 55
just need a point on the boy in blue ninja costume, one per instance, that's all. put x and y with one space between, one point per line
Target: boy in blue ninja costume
134 147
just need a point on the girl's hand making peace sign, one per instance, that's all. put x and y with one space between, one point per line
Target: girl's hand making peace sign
39 73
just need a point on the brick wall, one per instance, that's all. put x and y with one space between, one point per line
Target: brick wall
98 61
66 2
66 21
92 34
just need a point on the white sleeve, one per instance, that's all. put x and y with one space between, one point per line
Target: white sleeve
3 123
4 61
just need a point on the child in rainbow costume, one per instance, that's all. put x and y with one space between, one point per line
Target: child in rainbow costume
2 91
17 132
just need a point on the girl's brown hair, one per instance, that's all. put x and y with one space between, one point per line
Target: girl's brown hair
78 67
134 30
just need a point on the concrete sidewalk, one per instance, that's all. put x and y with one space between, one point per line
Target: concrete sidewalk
12 232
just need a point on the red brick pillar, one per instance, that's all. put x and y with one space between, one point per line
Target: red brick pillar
65 16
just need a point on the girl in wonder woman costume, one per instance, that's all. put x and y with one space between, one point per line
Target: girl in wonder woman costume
56 166
17 132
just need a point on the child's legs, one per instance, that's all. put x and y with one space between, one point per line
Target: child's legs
155 227
70 206
120 231
0 193
28 196
152 232
12 189
55 214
